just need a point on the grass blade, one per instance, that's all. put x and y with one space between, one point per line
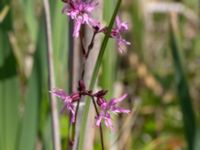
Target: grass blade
9 95
33 96
51 78
182 87
109 61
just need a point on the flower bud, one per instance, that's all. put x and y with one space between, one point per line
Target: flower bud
81 85
100 93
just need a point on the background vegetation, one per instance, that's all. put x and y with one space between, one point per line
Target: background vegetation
160 72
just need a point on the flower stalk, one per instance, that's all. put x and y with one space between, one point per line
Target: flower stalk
80 12
100 126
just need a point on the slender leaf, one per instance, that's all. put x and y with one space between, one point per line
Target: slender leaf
183 90
9 95
109 59
30 121
138 32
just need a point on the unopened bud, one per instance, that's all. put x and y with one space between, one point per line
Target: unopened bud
81 86
100 93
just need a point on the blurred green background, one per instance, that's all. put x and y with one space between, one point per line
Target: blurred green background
160 72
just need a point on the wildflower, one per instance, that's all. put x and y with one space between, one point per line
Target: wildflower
110 107
67 100
116 32
80 12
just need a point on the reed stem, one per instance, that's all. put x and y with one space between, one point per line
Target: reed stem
51 78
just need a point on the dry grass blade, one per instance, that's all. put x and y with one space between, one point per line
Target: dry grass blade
167 7
4 13
51 78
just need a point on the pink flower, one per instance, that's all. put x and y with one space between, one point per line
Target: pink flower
110 107
116 32
67 100
80 12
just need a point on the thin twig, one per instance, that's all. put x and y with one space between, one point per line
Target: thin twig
86 54
51 79
81 41
70 70
71 56
91 44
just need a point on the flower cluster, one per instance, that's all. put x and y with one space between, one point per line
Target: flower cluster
80 11
106 107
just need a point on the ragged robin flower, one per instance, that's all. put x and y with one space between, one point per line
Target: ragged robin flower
80 12
67 100
116 32
109 107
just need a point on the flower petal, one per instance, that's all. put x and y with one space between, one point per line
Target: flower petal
117 100
59 93
90 6
117 109
65 9
118 22
98 120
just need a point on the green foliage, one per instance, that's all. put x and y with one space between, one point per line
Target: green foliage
9 96
183 90
29 125
25 120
